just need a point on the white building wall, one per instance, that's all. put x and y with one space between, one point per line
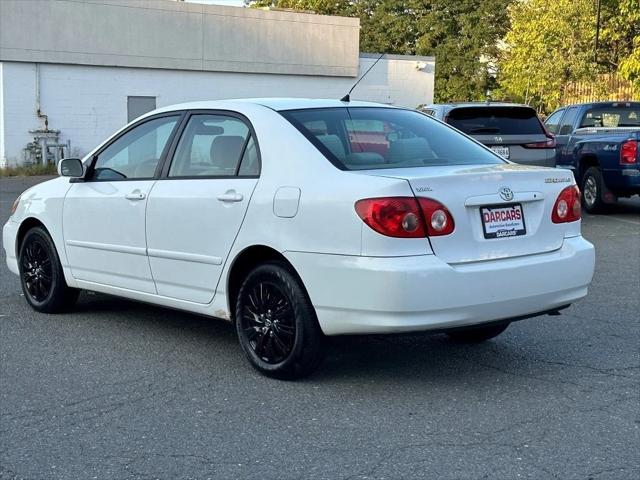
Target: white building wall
2 155
88 103
177 35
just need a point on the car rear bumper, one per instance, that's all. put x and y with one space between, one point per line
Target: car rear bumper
9 235
357 295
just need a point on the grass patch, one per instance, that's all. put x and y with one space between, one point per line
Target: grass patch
28 170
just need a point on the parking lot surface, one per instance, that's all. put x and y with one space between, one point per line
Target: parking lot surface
119 389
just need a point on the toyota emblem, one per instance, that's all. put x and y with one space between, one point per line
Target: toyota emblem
506 194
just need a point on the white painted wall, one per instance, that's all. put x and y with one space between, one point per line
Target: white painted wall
177 35
88 103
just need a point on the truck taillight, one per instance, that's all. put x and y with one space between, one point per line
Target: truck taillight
629 152
567 207
405 217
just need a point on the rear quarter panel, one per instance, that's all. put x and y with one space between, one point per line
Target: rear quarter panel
325 221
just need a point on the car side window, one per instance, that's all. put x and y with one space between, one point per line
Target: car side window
553 122
250 163
566 128
135 155
211 145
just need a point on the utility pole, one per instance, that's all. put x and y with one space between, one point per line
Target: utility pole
595 50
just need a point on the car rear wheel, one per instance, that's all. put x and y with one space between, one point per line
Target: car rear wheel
592 191
276 323
41 275
477 334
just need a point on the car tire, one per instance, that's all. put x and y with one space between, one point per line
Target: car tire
276 323
41 274
592 189
477 334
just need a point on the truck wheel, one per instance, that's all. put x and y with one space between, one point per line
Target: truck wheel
592 188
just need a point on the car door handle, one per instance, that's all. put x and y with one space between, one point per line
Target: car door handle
230 196
135 195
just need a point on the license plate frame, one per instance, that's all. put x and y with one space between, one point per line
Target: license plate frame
509 230
501 150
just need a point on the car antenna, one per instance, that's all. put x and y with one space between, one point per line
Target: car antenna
347 97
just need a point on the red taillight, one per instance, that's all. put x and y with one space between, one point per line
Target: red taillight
567 207
629 152
550 142
393 216
438 218
405 217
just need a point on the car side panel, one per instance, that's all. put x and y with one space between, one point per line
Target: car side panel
45 203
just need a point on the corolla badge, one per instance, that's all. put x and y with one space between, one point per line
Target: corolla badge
506 194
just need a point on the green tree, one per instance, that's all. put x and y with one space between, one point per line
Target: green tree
462 35
549 45
621 40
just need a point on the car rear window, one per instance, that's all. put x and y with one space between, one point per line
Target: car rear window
611 116
496 120
364 138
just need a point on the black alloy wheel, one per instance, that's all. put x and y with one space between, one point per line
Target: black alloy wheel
276 323
41 275
268 322
37 270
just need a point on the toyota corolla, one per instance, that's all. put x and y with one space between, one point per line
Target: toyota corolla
299 219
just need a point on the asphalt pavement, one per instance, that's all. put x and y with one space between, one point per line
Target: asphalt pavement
119 390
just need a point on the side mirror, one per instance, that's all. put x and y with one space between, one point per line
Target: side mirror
70 167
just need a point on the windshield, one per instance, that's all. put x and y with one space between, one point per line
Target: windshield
611 117
496 120
363 138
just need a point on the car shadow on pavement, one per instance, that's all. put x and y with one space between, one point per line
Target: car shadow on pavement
406 358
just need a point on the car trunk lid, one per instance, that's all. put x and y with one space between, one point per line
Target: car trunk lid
470 192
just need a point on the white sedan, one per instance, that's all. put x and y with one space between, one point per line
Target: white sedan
297 219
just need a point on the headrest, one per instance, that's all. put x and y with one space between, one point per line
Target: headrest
333 144
409 149
225 150
364 158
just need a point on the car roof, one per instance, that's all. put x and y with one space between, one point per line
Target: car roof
477 104
601 104
277 104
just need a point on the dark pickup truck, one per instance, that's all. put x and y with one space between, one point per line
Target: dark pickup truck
599 142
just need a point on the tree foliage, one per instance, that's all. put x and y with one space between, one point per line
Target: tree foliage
549 45
621 38
535 48
462 34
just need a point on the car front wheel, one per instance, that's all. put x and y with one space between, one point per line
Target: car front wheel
477 334
276 323
41 275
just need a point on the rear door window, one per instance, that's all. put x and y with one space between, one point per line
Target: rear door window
553 122
495 120
566 127
211 146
